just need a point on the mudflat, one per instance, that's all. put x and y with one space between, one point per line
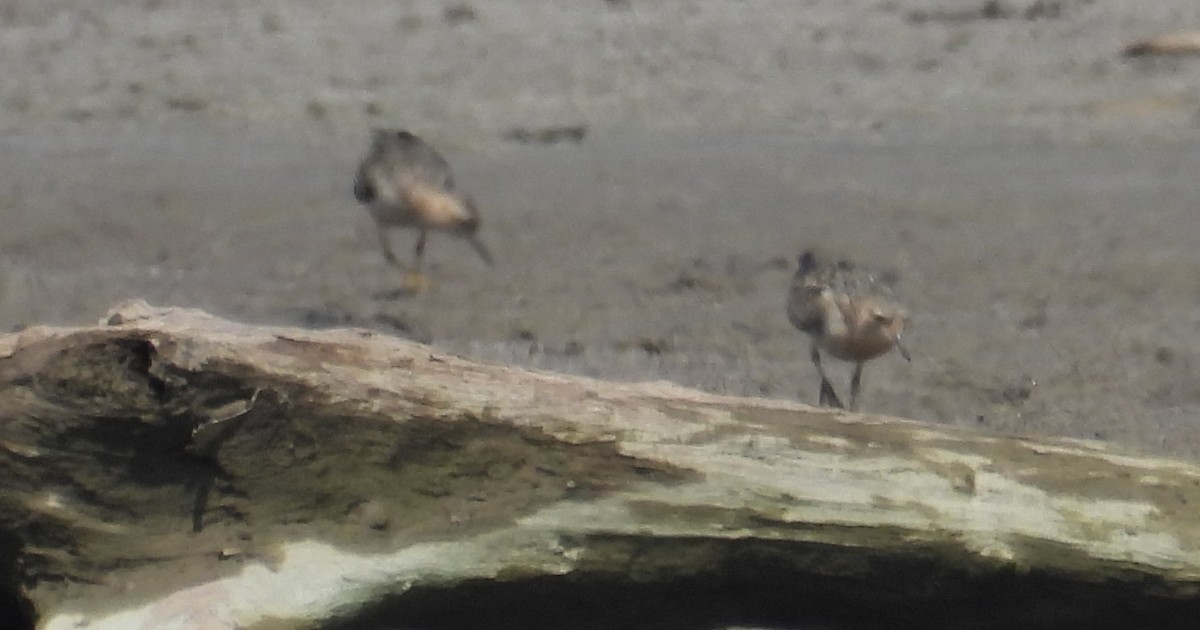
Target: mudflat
1033 190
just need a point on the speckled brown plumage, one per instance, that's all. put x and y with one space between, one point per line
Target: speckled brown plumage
848 311
405 183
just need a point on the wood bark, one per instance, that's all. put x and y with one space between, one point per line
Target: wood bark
171 466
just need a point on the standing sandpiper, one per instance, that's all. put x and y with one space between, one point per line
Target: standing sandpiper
405 183
848 312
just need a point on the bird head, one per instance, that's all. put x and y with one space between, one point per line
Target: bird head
890 320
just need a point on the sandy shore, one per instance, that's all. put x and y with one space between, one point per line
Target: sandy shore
1034 190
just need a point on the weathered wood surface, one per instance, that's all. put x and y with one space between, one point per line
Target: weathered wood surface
170 467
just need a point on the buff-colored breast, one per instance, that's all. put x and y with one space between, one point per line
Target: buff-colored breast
435 209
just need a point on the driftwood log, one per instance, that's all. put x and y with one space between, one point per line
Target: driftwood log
168 468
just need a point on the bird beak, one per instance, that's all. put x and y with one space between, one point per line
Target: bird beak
903 351
482 250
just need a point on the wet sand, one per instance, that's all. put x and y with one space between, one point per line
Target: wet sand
1035 193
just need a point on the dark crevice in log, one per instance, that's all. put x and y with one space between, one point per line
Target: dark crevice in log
291 467
149 466
97 378
16 611
770 585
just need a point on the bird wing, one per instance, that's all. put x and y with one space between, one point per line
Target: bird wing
422 161
807 307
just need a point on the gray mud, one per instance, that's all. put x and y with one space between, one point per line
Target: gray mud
1034 190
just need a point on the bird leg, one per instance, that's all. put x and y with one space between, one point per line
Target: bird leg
419 252
416 280
827 397
855 385
388 255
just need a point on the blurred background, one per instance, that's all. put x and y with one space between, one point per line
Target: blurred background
648 172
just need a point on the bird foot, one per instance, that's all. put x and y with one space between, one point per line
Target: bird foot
415 282
828 397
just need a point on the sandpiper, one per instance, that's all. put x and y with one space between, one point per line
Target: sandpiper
405 183
847 311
